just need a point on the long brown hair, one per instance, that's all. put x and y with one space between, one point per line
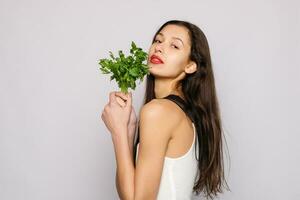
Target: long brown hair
199 91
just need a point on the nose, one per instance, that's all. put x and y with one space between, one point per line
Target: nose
158 47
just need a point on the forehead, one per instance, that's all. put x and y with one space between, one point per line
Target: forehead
176 31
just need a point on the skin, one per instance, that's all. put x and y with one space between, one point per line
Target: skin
161 121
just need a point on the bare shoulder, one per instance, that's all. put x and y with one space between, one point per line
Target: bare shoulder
161 112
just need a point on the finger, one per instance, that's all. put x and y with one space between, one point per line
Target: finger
112 96
102 115
133 111
120 101
122 95
129 100
114 100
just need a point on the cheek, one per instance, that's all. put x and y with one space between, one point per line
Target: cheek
177 61
172 67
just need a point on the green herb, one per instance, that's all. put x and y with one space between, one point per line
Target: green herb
126 69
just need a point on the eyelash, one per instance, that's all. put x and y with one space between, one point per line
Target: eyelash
172 44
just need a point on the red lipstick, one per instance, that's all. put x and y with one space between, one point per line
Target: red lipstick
156 59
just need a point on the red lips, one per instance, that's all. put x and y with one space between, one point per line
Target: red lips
156 59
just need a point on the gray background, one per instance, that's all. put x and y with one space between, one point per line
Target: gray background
53 144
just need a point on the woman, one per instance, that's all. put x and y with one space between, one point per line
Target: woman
178 149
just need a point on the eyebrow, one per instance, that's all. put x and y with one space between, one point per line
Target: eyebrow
172 37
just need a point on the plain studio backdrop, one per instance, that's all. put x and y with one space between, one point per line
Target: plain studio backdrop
53 143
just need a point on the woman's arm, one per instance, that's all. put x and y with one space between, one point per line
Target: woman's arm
157 122
131 134
116 116
125 168
156 126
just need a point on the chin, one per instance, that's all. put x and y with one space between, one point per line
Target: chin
157 74
152 70
154 67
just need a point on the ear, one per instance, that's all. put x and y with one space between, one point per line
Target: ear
191 67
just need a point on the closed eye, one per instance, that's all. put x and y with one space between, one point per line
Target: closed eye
175 46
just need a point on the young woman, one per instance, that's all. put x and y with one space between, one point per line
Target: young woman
178 149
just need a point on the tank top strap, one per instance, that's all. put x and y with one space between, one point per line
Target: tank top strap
181 103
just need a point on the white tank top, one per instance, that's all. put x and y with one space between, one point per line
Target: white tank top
178 175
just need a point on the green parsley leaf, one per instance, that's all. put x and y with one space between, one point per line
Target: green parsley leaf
126 69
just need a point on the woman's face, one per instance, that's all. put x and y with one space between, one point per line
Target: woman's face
172 46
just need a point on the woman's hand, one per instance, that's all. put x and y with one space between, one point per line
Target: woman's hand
132 119
117 113
131 127
132 124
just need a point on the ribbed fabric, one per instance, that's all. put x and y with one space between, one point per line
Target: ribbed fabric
178 175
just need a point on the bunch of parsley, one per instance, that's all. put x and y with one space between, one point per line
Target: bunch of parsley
126 69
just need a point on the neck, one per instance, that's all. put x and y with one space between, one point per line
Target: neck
165 87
